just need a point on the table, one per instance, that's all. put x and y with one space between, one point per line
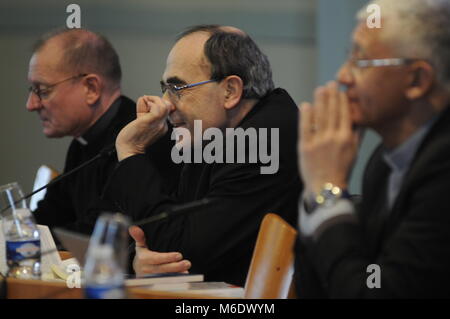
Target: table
38 289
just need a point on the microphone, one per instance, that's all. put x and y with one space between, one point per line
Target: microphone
173 211
105 152
176 210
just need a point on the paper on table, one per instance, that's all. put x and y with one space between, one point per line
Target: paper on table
43 177
66 268
47 244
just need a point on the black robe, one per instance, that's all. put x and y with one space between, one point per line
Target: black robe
75 202
217 239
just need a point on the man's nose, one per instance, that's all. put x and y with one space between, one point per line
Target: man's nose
169 102
33 102
344 76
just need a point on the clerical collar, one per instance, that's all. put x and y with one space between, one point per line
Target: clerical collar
100 126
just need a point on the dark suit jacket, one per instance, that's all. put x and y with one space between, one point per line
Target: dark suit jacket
219 239
75 202
410 243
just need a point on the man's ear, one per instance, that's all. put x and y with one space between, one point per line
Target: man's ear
93 85
421 81
234 87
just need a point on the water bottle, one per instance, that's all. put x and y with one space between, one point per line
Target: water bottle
106 258
22 239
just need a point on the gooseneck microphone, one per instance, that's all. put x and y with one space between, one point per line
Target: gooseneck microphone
173 211
105 152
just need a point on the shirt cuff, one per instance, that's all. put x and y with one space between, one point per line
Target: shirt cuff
312 224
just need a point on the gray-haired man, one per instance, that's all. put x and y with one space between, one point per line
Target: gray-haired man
395 244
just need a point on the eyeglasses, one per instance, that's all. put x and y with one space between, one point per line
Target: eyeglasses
43 93
356 64
174 90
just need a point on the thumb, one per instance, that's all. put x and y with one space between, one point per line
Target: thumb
138 236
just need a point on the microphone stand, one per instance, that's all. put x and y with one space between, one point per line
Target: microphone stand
106 152
171 212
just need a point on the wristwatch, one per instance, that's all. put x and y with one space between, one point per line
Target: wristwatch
327 197
329 194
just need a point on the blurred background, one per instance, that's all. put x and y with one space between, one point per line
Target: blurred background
305 40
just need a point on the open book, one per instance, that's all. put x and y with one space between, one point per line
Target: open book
163 278
206 288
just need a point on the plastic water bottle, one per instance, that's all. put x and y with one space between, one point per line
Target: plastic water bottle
22 239
106 258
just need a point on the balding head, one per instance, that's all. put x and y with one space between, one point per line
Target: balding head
75 78
83 51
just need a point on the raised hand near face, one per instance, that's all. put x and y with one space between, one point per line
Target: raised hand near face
148 127
328 143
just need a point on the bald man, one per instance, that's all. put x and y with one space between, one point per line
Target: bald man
75 78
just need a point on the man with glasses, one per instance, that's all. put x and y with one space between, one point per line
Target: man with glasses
217 75
75 88
395 243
